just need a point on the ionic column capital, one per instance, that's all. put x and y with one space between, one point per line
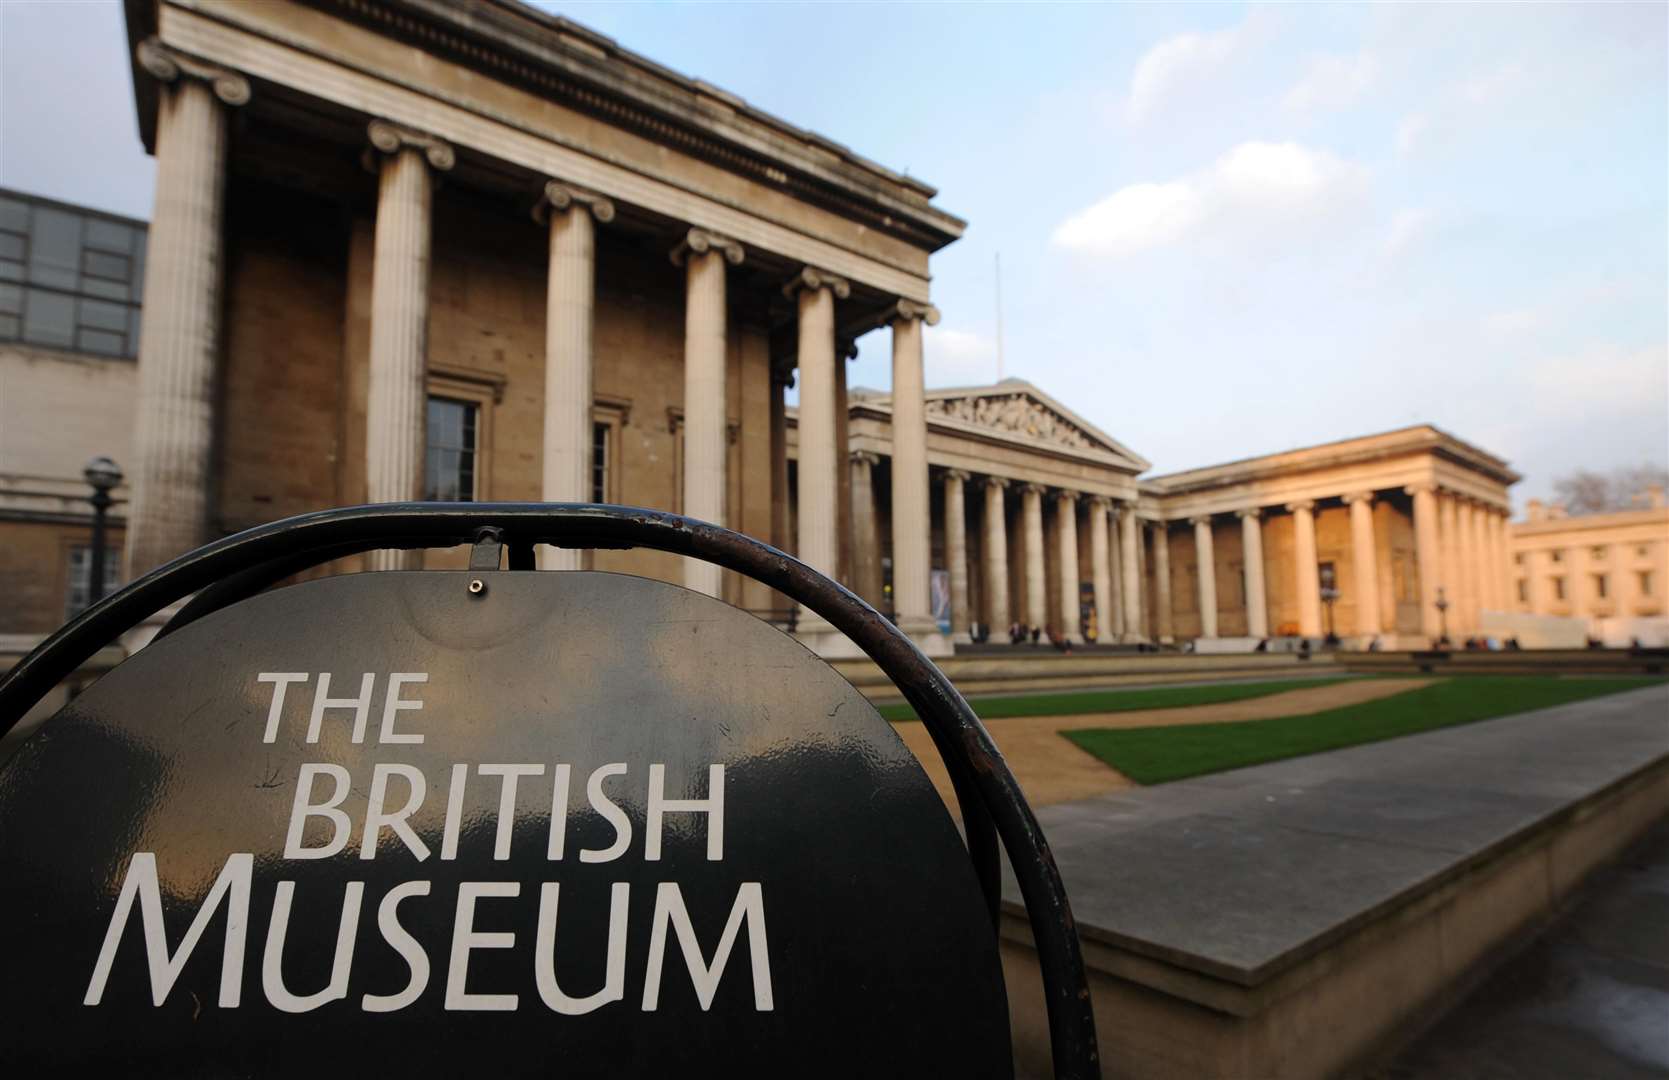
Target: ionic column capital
997 482
865 457
701 242
1067 496
1101 502
1422 487
557 195
1200 519
1032 489
389 138
909 310
1355 497
958 475
1253 512
169 65
811 278
1306 505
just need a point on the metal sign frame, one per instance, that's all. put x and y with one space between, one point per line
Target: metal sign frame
991 802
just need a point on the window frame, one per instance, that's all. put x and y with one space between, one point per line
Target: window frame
482 390
81 552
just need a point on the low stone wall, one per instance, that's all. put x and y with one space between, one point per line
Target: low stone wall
1509 662
1304 918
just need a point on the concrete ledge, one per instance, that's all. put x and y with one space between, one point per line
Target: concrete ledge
1295 919
1514 662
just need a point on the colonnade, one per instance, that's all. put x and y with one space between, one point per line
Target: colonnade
178 362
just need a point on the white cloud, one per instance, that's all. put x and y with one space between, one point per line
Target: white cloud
1254 184
1406 228
1409 133
1174 63
1464 106
1333 82
1602 382
1506 324
958 357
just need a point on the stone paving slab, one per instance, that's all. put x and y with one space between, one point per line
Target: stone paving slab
1241 874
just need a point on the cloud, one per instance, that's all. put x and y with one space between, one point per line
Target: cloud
1255 185
1176 63
1469 104
1407 228
1409 133
1333 82
958 357
1506 324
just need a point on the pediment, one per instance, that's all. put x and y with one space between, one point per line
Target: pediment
1019 410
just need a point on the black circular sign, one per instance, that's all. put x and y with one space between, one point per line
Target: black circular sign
541 824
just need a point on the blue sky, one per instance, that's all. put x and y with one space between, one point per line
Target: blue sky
1224 230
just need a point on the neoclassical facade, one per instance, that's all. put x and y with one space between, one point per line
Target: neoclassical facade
1606 571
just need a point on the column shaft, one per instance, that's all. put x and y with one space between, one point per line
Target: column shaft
1101 565
1427 557
397 409
179 338
817 482
1205 559
1364 565
996 557
1031 506
911 523
956 553
705 411
1304 566
1130 538
1162 582
1466 541
1066 510
1257 598
866 538
570 314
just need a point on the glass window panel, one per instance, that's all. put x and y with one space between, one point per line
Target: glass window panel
101 315
140 240
55 248
49 318
81 576
11 245
102 342
599 463
10 327
14 215
11 270
133 332
449 472
11 299
109 290
104 265
109 236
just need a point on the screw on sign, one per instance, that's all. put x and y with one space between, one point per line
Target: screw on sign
408 821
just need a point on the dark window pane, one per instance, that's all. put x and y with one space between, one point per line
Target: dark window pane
102 342
104 316
14 215
109 236
11 245
133 332
49 318
100 264
599 463
10 327
110 290
54 248
140 240
11 299
11 270
449 472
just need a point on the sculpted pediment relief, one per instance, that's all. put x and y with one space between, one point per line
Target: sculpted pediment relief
1015 414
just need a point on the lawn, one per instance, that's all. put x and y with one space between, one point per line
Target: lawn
1156 755
1074 702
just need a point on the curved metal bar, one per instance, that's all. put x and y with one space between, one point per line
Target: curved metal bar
960 736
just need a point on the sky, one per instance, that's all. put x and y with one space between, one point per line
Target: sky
1224 230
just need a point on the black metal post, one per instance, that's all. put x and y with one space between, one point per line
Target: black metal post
101 474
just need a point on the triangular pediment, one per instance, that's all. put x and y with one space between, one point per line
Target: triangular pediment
1017 409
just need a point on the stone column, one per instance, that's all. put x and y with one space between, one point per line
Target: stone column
1066 511
396 416
1205 559
1428 555
956 553
704 256
1466 544
1450 559
1162 582
1257 596
179 340
1488 576
1130 538
911 521
815 292
996 556
1100 558
1364 563
1115 575
866 536
570 315
1304 565
1031 509
1504 562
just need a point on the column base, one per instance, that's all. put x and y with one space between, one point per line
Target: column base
961 637
925 632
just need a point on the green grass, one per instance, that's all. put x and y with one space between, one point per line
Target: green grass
1074 702
1156 755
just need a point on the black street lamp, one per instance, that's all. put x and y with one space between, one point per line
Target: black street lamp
1328 596
1442 606
102 474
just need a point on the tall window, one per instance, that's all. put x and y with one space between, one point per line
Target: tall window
81 577
449 473
1645 582
599 462
1523 591
1558 588
1599 586
69 279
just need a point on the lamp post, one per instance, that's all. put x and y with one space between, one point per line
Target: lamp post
1442 606
1328 596
102 475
